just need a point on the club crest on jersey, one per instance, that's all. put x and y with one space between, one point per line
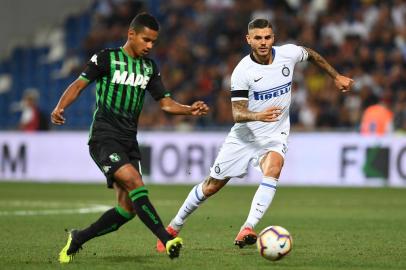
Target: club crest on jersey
147 68
115 157
273 92
123 77
285 71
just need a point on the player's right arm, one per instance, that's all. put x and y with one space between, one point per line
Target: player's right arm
96 68
241 113
68 97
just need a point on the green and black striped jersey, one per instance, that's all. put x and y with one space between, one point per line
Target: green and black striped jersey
121 82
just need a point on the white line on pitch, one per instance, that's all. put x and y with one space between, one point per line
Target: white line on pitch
86 210
44 204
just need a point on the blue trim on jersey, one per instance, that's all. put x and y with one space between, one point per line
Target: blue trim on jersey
273 92
273 54
268 185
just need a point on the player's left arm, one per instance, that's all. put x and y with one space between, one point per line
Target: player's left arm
343 83
169 105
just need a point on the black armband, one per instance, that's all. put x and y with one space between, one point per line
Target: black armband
239 94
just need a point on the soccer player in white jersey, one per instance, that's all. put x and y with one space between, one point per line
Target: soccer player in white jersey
260 95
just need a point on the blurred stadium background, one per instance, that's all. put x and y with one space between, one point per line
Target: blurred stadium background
45 45
334 141
199 45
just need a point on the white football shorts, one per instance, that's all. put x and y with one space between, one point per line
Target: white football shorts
236 154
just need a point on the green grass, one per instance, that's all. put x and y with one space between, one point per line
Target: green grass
332 228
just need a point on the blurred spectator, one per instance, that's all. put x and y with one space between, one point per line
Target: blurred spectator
377 119
400 112
32 118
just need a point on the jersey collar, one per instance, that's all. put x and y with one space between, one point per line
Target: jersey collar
125 53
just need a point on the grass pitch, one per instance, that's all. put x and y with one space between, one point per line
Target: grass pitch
332 228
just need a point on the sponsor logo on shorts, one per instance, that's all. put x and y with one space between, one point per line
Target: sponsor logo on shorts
285 148
106 169
217 169
114 157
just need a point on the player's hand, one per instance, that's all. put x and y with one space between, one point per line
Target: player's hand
343 83
57 116
269 115
199 108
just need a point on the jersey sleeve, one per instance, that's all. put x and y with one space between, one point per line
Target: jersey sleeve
239 84
155 84
96 67
298 53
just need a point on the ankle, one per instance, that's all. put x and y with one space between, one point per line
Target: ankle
176 225
247 225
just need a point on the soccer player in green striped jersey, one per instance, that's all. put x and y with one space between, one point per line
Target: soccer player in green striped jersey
122 76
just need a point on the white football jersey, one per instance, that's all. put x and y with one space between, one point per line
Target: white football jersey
268 86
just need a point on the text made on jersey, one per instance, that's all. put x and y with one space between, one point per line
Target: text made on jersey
123 77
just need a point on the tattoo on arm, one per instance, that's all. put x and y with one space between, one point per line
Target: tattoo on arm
319 61
241 112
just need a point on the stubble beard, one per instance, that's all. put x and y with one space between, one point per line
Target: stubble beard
263 56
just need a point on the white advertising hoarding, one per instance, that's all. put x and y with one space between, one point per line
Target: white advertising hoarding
327 159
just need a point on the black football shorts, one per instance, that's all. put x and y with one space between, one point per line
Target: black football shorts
110 154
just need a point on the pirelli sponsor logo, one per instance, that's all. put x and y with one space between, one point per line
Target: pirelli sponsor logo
273 92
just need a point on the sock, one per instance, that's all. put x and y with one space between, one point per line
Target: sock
146 212
192 202
261 201
109 222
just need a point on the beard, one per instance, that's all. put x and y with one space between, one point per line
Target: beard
263 51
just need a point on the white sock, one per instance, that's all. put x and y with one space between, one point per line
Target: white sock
261 201
192 202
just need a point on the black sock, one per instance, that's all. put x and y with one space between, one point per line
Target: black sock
146 212
109 222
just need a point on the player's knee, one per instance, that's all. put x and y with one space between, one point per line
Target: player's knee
273 171
210 190
128 177
211 186
130 182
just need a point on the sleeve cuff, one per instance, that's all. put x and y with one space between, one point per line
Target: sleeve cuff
84 78
238 98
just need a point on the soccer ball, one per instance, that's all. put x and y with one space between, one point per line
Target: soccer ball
274 242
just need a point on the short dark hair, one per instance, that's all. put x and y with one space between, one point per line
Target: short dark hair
144 20
259 23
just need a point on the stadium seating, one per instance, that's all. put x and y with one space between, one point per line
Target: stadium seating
28 69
